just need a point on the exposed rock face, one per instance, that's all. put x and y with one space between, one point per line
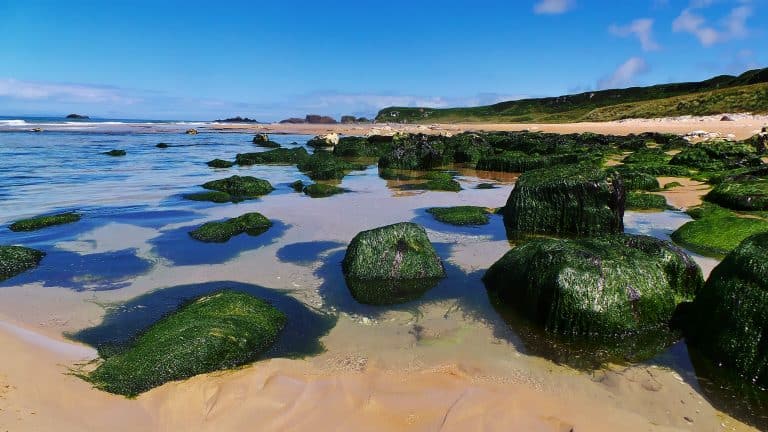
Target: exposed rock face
602 286
327 140
318 119
293 120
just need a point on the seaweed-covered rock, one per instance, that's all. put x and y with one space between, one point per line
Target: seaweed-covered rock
717 156
212 196
486 186
325 166
391 264
437 181
240 188
252 224
298 186
646 201
277 156
716 231
262 140
728 320
741 195
602 286
320 190
639 181
324 141
360 147
39 222
516 161
17 259
219 163
115 153
412 152
577 199
215 332
460 215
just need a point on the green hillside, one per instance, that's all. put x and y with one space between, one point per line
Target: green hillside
744 93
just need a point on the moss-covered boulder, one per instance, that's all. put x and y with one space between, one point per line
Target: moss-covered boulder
219 163
240 187
437 181
320 190
17 259
748 194
646 201
280 156
115 153
516 161
717 156
324 141
414 152
212 196
460 215
252 224
391 264
298 186
728 320
325 166
639 181
577 199
262 140
40 222
603 286
361 147
716 231
218 331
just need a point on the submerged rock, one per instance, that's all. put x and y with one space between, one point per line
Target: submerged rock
212 196
728 320
605 286
461 215
240 188
391 264
320 190
39 222
437 181
252 224
219 163
115 153
17 259
78 117
277 156
218 331
579 199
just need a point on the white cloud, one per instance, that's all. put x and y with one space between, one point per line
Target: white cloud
640 28
69 93
733 26
553 6
624 75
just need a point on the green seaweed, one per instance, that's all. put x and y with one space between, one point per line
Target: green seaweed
716 231
360 147
252 224
280 156
240 188
717 156
219 163
212 196
741 195
325 166
40 222
639 181
298 186
218 331
460 215
646 201
17 259
320 190
519 162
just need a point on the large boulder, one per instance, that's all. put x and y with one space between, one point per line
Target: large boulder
218 331
278 156
324 141
323 165
608 286
577 199
728 320
391 264
240 188
17 259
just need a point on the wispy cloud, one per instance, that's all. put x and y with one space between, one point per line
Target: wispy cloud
733 26
640 28
624 75
58 92
553 7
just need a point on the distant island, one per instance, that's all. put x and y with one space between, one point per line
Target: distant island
320 119
747 92
78 117
237 119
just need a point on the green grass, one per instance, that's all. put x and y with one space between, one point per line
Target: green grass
252 224
240 188
646 201
461 215
218 331
745 93
17 259
320 190
716 231
219 163
40 222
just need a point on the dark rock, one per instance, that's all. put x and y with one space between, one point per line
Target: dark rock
293 120
318 119
162 145
115 153
219 163
238 119
78 117
16 259
191 132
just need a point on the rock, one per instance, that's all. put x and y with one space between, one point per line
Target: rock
78 117
212 196
37 129
460 215
578 200
277 156
361 147
318 119
437 181
597 287
191 132
240 188
237 119
16 259
162 145
347 119
320 190
646 201
728 320
293 120
726 118
391 264
325 166
298 186
218 331
219 163
40 222
761 142
262 140
252 224
717 156
115 153
321 141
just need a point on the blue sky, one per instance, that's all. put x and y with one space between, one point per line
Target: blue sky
270 60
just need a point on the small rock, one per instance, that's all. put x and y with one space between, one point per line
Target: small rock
726 118
688 419
191 132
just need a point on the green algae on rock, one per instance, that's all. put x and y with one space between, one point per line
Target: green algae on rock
515 161
736 194
577 199
603 286
252 224
361 147
17 259
646 201
279 156
391 264
262 140
437 181
325 166
728 320
40 222
212 196
717 156
717 231
240 187
460 215
639 181
320 190
115 153
218 331
298 186
219 163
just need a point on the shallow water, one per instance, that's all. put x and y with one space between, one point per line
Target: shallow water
131 251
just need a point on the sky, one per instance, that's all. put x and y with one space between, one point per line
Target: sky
195 60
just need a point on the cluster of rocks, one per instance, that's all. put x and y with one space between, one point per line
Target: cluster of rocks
320 119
